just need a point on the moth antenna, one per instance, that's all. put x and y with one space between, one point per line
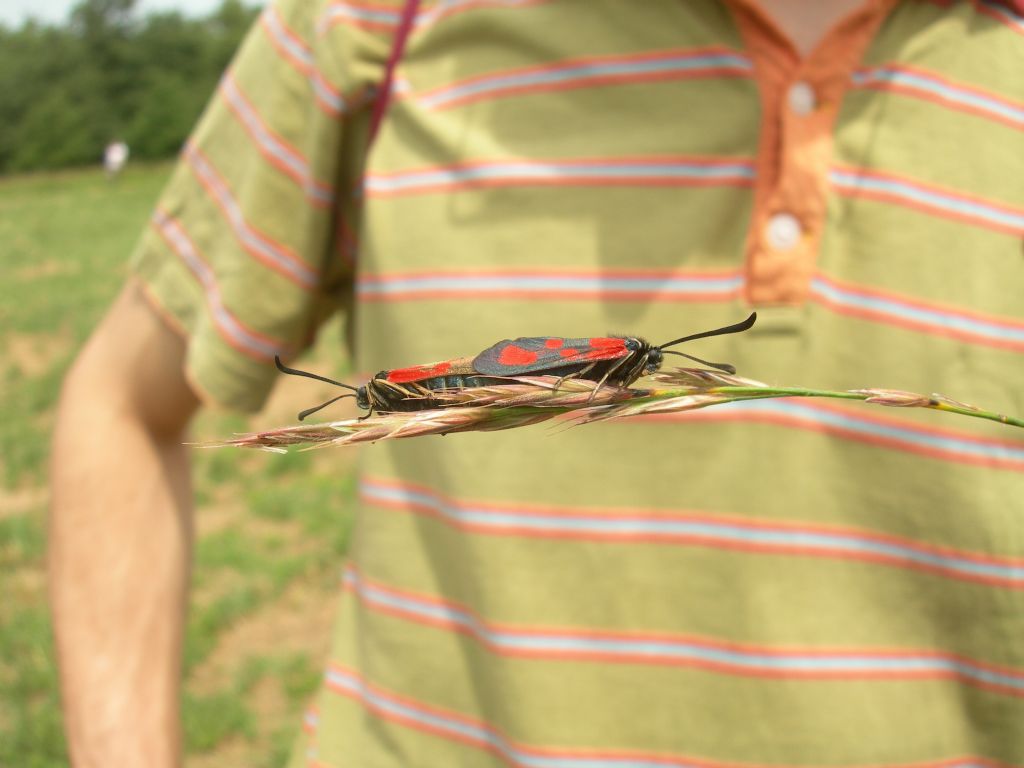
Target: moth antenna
309 411
735 328
720 366
295 372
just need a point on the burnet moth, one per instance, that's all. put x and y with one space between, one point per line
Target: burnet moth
403 389
614 360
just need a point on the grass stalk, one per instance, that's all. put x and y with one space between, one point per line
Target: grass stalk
529 400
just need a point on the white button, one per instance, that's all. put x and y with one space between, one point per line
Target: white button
783 231
802 99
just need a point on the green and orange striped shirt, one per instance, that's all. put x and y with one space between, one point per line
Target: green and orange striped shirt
774 583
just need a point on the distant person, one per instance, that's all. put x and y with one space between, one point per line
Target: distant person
114 158
771 583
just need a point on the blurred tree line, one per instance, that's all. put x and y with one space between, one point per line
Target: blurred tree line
109 73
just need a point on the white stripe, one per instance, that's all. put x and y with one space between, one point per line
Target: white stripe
227 322
295 163
909 191
942 90
540 172
583 72
554 283
922 315
303 274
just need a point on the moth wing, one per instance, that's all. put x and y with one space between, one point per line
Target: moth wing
457 367
536 354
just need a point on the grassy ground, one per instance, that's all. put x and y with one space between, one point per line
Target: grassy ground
272 528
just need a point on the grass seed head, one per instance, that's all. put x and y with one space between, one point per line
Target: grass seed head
527 400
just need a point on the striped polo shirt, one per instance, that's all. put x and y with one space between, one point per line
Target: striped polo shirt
771 583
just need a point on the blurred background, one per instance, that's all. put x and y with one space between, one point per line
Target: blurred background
74 78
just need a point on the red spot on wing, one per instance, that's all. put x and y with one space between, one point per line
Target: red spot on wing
608 343
537 354
606 348
419 372
514 356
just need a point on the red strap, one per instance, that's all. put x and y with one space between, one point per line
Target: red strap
380 106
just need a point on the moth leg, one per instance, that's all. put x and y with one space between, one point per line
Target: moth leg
604 378
599 385
563 378
377 404
574 375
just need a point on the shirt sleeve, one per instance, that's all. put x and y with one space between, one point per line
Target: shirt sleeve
250 248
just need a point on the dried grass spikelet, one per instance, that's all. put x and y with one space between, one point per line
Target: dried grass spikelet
527 400
523 401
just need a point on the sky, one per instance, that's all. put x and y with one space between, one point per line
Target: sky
14 12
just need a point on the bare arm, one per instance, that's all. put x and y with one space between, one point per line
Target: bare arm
120 540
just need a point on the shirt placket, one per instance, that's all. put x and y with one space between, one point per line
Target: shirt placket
800 101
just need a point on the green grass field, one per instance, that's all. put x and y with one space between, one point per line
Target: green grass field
272 529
